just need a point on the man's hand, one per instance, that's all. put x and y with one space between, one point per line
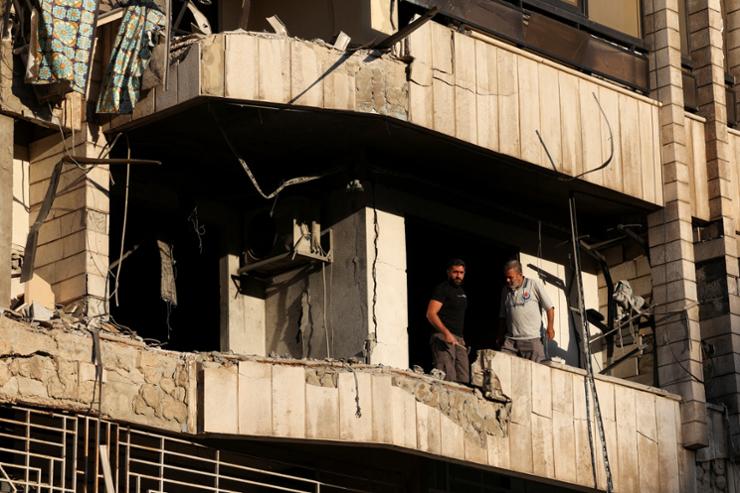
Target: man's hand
551 323
450 339
433 317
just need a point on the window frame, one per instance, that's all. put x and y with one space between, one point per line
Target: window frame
579 18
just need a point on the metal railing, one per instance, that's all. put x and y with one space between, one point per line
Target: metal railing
46 451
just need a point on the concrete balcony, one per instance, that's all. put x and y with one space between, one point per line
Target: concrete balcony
478 90
532 425
17 99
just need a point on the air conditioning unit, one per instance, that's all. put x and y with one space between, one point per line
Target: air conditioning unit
282 245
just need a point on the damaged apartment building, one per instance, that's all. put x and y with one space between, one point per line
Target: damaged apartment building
221 222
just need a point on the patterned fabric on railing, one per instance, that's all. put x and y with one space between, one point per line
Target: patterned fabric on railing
61 43
142 26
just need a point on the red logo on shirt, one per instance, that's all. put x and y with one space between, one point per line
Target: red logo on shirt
525 295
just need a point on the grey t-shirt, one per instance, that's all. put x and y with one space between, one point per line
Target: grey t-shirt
522 309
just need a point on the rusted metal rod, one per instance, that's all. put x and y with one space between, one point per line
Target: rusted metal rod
92 160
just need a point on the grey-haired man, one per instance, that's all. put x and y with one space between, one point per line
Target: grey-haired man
522 303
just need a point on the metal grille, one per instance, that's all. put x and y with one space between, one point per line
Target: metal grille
51 452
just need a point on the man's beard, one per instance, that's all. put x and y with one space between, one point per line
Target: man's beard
457 282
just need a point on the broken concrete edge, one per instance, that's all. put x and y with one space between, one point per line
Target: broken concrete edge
55 368
316 41
161 388
221 357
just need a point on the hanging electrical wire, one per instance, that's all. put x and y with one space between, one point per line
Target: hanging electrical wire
117 279
600 167
200 229
285 184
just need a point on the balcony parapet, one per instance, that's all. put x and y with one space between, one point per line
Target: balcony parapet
280 70
468 86
534 425
490 93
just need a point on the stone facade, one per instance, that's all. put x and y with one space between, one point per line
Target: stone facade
452 84
55 368
670 235
520 417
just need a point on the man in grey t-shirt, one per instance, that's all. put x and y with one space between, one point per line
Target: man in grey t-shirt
522 302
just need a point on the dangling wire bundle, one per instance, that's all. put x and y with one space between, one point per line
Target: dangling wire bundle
200 229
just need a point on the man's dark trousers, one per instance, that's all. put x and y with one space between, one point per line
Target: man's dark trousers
451 358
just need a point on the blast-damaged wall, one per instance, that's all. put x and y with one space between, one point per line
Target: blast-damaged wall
354 306
56 368
278 69
522 417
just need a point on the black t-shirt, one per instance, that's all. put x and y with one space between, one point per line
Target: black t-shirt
454 302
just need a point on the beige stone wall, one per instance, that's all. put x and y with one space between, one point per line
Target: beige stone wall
541 432
734 189
531 422
716 254
72 251
276 69
670 229
565 346
476 89
390 329
489 93
21 208
54 368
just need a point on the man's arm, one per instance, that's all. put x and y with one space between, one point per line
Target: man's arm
551 323
433 317
549 308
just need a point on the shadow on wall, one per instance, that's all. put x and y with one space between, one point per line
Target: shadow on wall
558 281
293 318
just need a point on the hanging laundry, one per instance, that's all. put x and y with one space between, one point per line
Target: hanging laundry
142 26
61 43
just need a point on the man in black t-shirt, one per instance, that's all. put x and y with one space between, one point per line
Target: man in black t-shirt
446 313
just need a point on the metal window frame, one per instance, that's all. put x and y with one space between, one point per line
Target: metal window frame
55 452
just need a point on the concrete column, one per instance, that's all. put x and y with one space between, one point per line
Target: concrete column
716 254
387 298
671 238
242 313
357 305
6 206
72 252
